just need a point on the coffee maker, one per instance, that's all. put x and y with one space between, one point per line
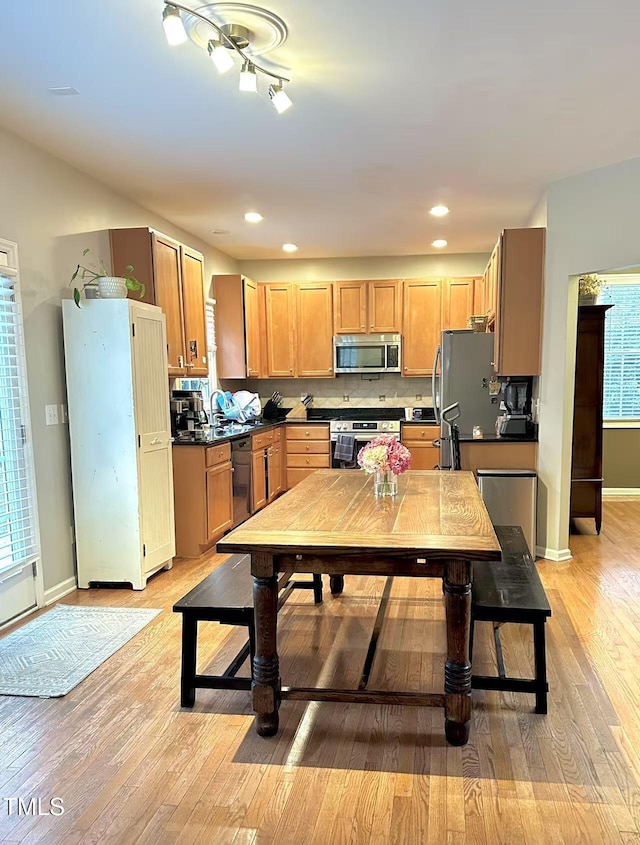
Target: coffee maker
187 411
515 398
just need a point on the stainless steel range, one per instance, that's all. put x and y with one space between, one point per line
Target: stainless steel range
362 432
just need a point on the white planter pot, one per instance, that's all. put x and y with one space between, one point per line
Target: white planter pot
112 287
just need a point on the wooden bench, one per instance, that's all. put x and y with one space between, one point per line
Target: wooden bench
226 596
511 591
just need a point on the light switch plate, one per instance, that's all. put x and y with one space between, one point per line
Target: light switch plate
64 416
51 414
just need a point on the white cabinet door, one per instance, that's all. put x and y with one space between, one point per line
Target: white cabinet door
155 469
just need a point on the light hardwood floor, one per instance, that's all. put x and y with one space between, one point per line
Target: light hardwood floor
132 767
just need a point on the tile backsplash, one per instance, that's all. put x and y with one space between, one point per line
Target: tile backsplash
344 391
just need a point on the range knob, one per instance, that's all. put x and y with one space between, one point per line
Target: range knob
385 426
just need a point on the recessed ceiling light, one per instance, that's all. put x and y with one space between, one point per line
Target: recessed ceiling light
439 211
439 243
63 90
289 247
253 217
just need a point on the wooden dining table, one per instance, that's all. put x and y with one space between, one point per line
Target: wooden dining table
332 523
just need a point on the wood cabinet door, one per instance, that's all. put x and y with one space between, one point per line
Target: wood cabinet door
168 289
314 329
252 328
258 481
274 468
479 296
494 276
422 321
219 500
457 303
280 329
350 307
195 325
385 306
424 455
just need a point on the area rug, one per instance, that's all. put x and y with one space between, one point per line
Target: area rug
48 657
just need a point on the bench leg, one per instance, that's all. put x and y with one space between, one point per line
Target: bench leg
189 654
540 656
317 589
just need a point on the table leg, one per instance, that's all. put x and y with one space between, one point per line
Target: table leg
337 584
457 669
265 686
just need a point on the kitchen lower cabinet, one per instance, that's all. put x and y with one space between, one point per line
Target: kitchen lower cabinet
274 469
307 448
422 306
419 440
258 480
476 454
203 488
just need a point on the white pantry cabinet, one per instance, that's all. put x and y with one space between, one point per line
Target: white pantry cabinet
120 435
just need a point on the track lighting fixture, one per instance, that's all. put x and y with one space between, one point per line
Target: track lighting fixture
279 98
248 78
173 26
229 39
220 56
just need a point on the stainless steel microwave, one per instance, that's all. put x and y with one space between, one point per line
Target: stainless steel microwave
367 353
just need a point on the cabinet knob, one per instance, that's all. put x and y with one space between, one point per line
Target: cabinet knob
307 447
307 460
306 433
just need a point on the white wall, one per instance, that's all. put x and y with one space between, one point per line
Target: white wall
397 267
593 225
53 212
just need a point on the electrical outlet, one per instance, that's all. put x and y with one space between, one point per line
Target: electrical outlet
418 397
382 397
345 397
51 414
64 416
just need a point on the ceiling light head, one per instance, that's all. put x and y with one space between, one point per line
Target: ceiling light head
253 217
439 243
220 56
279 98
439 211
248 78
289 247
173 26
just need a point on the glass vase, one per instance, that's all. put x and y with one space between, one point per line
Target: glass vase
385 484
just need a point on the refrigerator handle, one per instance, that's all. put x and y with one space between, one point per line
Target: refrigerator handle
434 393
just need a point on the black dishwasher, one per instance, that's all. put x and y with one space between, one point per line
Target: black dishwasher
241 462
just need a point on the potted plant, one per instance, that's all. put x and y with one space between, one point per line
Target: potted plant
387 458
109 287
588 289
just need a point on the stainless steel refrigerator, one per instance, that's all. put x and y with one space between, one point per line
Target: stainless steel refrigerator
461 373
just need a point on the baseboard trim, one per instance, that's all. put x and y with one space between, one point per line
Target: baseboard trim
621 492
556 555
60 590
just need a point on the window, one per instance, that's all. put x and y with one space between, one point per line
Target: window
19 542
622 348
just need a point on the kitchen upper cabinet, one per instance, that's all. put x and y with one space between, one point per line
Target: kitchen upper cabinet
279 329
313 329
350 308
173 275
516 282
368 306
457 302
195 328
239 327
385 306
479 306
422 325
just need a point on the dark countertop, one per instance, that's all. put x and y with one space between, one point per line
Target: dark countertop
493 438
212 438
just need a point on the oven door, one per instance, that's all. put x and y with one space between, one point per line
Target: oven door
338 463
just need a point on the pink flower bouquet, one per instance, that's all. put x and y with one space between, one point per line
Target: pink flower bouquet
384 454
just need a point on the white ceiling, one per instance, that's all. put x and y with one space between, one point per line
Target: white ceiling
397 106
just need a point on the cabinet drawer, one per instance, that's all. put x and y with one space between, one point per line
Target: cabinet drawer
307 461
310 447
295 476
259 441
307 432
421 431
217 454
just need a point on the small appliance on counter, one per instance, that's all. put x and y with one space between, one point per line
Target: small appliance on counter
187 411
515 399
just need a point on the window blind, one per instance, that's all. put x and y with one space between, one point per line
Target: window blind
621 351
19 542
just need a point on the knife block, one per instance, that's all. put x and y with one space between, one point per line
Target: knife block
298 412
